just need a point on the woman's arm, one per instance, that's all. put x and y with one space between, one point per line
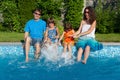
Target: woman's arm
89 30
79 30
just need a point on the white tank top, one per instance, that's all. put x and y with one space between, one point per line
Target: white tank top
85 28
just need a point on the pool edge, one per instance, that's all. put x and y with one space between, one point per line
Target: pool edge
20 43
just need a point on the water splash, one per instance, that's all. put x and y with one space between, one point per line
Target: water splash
52 57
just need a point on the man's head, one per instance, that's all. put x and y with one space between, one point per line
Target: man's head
37 13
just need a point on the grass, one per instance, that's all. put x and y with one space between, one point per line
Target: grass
11 37
18 37
112 37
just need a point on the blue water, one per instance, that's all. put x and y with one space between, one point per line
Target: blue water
101 65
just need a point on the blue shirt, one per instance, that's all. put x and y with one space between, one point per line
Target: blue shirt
35 28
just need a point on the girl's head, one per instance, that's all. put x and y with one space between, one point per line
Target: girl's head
51 22
89 14
67 27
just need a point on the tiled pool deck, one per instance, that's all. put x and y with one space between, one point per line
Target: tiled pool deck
19 43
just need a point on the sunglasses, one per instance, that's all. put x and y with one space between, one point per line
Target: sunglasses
37 13
86 12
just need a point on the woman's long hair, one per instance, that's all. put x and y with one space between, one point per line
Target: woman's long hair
91 14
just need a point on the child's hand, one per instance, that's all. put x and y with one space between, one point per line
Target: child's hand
59 43
70 35
56 37
45 41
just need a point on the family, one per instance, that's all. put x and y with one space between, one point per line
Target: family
39 33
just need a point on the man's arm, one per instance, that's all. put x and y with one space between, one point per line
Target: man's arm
26 34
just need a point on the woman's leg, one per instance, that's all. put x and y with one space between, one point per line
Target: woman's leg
79 55
86 54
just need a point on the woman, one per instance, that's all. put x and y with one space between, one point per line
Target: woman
86 35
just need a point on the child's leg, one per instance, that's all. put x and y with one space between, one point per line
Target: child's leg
64 49
86 54
79 55
70 50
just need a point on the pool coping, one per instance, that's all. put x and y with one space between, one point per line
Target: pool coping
20 43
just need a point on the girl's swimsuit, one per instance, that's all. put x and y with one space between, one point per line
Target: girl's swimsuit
67 38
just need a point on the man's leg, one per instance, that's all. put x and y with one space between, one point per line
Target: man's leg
27 47
37 50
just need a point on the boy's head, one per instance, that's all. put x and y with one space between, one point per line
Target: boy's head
67 27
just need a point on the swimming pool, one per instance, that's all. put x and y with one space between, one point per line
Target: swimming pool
101 65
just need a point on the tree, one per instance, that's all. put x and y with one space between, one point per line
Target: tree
74 12
50 8
10 14
117 19
105 17
25 11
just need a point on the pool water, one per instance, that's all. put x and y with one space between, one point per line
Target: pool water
101 65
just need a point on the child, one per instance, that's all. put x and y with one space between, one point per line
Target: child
52 33
50 48
68 39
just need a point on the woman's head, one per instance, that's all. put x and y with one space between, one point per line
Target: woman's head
51 22
89 14
67 27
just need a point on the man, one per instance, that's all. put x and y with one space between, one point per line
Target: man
34 33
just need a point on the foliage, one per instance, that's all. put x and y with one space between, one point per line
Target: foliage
25 11
17 12
106 15
10 14
50 8
74 12
117 19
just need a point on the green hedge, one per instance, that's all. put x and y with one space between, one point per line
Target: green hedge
17 12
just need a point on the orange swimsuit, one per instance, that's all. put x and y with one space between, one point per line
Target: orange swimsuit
67 38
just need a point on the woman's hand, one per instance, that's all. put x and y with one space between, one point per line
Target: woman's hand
76 36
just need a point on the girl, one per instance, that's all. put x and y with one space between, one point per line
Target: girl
68 39
50 48
52 33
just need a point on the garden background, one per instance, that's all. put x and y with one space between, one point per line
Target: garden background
15 13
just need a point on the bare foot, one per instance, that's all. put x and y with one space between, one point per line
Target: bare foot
69 56
37 56
63 55
78 59
26 60
83 61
